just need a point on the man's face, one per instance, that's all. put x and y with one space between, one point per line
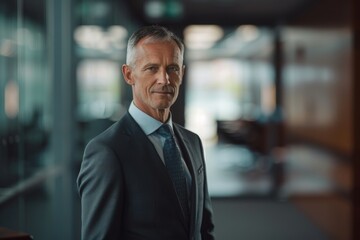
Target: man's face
155 75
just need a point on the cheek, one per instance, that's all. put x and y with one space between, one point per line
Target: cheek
145 89
176 79
178 84
139 90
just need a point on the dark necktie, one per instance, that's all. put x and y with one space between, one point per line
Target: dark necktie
175 167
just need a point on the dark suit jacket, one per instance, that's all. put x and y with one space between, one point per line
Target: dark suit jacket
126 191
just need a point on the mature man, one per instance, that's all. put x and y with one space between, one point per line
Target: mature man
144 177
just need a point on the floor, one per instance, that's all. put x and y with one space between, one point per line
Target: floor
298 193
262 220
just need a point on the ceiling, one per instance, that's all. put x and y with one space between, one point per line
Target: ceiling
186 12
224 12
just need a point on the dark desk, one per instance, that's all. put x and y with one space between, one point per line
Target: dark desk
7 234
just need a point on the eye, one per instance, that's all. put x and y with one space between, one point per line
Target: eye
173 69
151 68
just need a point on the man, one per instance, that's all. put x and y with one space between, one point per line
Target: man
135 181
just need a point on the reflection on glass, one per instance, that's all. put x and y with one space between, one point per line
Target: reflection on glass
214 93
230 77
99 89
11 99
25 106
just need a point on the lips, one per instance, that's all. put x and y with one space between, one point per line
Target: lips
164 90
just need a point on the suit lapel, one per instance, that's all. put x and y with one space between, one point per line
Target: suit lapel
189 156
145 149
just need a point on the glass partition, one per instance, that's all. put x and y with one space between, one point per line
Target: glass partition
25 110
24 96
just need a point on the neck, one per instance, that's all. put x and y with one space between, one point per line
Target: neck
161 115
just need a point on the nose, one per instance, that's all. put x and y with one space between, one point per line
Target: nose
163 77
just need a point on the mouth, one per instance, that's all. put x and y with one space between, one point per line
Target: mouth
163 91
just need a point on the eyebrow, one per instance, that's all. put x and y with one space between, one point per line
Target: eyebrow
174 65
150 65
157 65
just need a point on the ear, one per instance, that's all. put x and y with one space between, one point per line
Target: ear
182 74
126 71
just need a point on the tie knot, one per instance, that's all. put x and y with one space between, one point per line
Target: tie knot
165 131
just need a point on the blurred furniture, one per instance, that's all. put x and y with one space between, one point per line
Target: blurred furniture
250 133
7 234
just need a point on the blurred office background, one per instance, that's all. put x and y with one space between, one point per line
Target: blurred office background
270 87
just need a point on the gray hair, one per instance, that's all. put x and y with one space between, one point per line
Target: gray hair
154 32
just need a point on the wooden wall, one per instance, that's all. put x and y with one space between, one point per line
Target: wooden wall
318 86
317 76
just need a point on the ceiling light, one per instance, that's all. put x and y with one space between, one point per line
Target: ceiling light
88 36
202 36
117 33
154 9
247 33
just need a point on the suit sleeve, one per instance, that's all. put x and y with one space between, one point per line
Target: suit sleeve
100 187
207 225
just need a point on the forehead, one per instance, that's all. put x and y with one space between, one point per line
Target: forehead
155 48
154 40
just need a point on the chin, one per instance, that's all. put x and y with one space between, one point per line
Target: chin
164 105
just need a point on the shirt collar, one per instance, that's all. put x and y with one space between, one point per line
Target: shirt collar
147 123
